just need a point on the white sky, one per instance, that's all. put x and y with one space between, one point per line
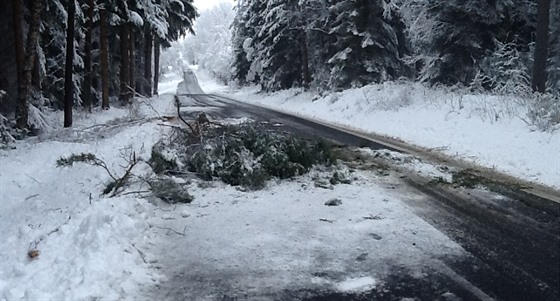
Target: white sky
207 4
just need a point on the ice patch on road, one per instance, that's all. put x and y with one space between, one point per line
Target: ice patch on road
170 84
356 285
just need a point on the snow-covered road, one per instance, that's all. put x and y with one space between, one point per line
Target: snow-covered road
284 243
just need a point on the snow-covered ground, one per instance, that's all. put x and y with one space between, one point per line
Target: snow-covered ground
89 244
96 247
253 245
483 129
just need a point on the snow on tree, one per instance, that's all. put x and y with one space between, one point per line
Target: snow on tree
278 43
554 53
211 47
451 38
247 23
272 44
369 44
288 43
241 31
541 47
108 34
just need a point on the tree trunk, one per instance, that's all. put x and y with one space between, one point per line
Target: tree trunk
68 82
541 47
132 64
104 45
18 43
25 73
157 51
86 89
148 48
36 76
125 65
305 60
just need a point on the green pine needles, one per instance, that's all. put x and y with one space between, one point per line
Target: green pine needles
245 155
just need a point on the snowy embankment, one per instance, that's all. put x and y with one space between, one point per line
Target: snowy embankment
483 129
89 244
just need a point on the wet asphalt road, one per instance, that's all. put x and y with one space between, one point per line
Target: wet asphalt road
512 237
218 107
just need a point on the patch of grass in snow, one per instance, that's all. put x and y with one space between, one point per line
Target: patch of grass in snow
468 178
544 112
246 155
355 158
471 179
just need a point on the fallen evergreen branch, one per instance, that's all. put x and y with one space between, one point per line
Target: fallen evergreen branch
133 161
88 158
245 155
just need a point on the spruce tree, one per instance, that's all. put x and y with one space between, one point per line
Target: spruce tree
453 37
249 21
368 44
554 55
279 46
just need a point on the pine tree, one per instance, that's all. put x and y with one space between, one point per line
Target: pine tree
148 52
248 20
29 54
104 57
541 47
368 46
280 39
554 56
88 76
453 37
20 56
180 15
274 51
286 43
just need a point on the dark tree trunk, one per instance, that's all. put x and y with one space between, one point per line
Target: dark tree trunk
305 60
69 72
125 65
104 45
25 69
132 64
36 77
157 51
18 42
86 89
541 47
148 48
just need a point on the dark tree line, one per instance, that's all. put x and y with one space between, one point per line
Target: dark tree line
61 54
339 44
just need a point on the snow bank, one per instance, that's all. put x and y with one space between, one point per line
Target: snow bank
89 244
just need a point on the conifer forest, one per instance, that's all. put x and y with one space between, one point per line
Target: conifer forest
61 55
